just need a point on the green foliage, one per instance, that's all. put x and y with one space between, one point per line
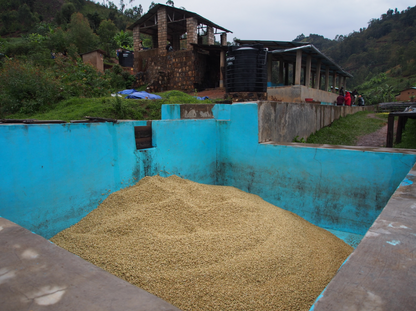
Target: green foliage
124 39
76 108
345 131
106 32
135 12
408 135
9 20
27 88
119 108
388 42
66 12
299 140
119 79
79 79
81 34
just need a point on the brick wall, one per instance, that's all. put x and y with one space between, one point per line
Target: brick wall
136 38
179 70
191 29
162 29
210 34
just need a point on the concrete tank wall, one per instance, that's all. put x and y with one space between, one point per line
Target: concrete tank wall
53 175
331 187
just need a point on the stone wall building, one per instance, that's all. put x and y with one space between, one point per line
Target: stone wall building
184 55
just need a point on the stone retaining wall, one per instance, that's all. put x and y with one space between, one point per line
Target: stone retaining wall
178 70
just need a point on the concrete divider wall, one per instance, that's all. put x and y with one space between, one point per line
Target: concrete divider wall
53 175
282 122
334 188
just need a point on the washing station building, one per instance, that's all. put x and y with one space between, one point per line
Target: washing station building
196 61
304 73
192 62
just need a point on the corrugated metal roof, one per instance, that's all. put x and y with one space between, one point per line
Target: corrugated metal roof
287 52
170 9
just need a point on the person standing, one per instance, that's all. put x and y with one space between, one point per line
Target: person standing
360 100
340 100
354 97
347 99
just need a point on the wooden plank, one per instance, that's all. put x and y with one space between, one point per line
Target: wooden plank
97 119
143 143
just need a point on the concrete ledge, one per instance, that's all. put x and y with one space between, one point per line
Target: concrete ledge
341 147
298 94
381 273
38 275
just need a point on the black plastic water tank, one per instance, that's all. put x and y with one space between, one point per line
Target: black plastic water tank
126 58
246 69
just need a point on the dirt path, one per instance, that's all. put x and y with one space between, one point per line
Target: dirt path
213 93
376 139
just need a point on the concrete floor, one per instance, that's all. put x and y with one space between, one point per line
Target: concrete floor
35 274
379 275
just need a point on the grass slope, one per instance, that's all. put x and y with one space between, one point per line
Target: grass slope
111 107
347 130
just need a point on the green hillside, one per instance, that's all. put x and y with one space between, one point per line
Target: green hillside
382 56
23 16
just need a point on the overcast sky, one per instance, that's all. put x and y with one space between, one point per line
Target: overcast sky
285 20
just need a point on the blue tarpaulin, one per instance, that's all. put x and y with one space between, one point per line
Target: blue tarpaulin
202 98
133 94
126 92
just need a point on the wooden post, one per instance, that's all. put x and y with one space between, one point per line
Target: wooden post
269 69
294 73
308 71
327 78
222 59
400 126
222 68
298 67
318 75
286 73
281 65
390 131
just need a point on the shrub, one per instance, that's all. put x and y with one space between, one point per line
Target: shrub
79 78
25 87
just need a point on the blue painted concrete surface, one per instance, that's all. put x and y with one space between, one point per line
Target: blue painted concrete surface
53 175
349 238
340 189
